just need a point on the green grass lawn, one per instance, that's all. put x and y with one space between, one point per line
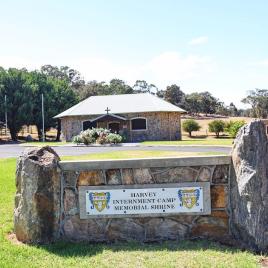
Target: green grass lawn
222 141
40 143
170 254
194 141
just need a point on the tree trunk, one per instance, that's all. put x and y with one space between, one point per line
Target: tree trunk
39 133
190 134
58 130
13 135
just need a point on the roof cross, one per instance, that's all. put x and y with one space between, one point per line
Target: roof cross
107 110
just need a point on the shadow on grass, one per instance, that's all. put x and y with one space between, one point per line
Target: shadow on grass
68 249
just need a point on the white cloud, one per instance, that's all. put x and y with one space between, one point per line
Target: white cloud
260 63
199 40
18 62
172 67
163 69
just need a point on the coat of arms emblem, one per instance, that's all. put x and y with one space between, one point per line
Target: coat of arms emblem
100 201
189 198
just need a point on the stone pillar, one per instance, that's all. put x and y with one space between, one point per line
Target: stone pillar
37 200
249 187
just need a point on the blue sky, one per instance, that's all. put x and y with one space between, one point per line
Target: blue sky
219 46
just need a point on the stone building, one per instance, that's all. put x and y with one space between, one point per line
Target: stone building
138 117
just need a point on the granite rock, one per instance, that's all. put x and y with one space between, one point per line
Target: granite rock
219 196
126 229
174 175
70 178
165 229
142 176
204 174
127 176
220 174
113 176
70 201
249 186
92 177
37 201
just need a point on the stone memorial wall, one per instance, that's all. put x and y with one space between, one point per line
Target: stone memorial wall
57 207
224 198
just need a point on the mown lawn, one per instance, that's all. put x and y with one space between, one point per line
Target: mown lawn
194 141
222 141
169 254
41 144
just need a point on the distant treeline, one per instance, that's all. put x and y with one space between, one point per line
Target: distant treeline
63 87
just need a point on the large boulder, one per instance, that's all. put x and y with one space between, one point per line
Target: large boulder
37 201
249 187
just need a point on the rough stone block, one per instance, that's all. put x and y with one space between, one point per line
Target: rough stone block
142 176
204 174
126 229
70 201
93 230
113 176
174 175
127 176
165 229
218 196
220 174
184 219
75 229
92 177
249 186
214 226
70 178
37 202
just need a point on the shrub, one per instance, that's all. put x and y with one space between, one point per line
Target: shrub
190 125
232 127
114 138
97 135
77 139
216 126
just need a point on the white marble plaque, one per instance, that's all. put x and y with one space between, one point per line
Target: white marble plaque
144 200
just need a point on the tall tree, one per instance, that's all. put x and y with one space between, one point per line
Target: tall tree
174 95
141 86
258 100
64 73
15 85
193 103
93 88
118 86
58 96
208 103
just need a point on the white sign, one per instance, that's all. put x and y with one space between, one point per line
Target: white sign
154 200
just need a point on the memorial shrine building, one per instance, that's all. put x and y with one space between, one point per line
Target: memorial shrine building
138 117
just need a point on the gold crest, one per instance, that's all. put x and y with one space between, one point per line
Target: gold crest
99 201
189 197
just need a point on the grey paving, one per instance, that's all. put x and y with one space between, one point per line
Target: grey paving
14 150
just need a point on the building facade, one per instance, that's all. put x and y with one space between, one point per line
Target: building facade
136 122
137 127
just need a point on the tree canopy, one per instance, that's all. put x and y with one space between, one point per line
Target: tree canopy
23 92
63 87
258 100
